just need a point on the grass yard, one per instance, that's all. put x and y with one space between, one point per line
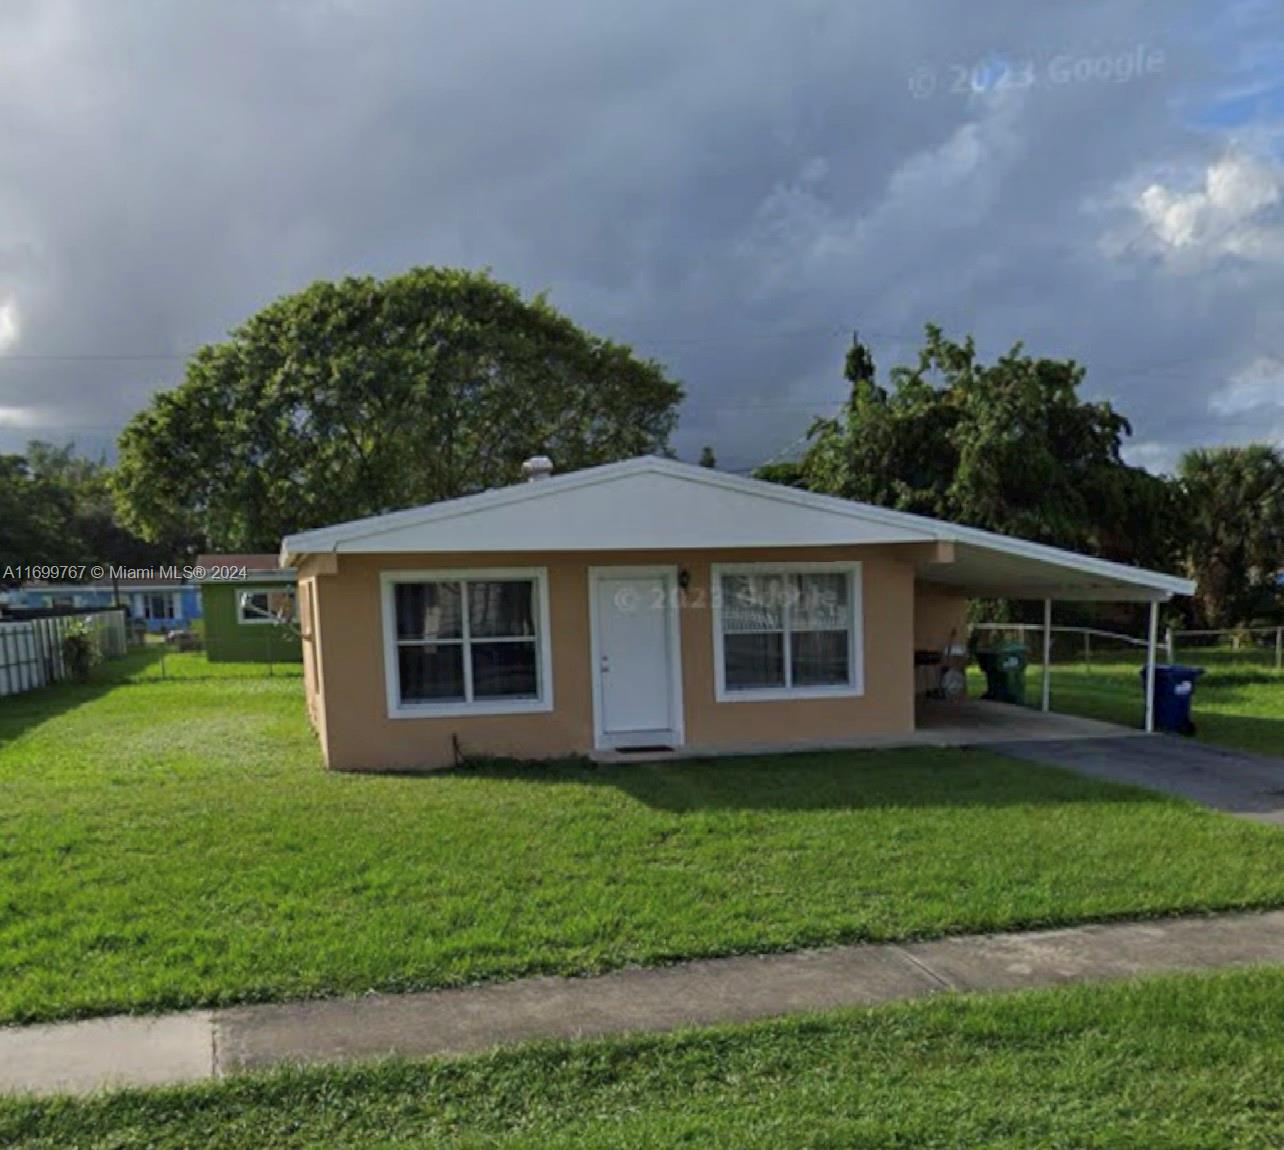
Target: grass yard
1235 704
1180 1062
169 844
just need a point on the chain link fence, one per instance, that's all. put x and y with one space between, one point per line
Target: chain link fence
269 652
1080 647
1257 648
1244 648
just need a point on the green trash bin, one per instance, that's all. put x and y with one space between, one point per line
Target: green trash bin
1004 666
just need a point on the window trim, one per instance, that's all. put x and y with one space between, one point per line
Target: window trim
855 688
169 604
260 620
388 580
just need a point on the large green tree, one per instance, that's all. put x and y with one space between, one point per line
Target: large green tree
1233 506
31 519
56 507
1009 446
351 398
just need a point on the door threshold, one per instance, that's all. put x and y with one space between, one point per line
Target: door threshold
651 753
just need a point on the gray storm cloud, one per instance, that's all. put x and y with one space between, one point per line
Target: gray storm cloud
731 187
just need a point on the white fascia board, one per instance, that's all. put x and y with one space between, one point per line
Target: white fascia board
395 531
644 512
323 539
1072 560
832 519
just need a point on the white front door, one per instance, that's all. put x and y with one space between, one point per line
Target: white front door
637 664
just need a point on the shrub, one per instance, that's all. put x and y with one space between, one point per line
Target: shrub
79 652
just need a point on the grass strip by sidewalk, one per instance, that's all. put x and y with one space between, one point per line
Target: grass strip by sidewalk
1181 1061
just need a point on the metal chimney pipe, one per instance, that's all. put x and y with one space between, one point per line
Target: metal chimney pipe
537 467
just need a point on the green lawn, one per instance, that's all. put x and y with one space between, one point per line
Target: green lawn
176 843
1191 1061
1236 704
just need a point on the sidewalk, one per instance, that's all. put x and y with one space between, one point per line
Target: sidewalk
81 1057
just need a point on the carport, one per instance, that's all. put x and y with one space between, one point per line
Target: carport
981 565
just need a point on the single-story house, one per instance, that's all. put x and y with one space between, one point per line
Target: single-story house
249 606
645 604
160 603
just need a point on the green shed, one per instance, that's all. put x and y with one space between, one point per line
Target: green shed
249 609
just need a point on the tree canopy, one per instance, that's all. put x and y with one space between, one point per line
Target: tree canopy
1009 446
1233 501
56 507
359 396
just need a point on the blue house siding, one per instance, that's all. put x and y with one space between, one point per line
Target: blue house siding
160 608
164 609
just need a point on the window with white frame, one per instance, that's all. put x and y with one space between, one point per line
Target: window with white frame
466 641
158 605
266 605
787 631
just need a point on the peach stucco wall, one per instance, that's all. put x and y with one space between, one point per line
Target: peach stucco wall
937 616
344 668
311 652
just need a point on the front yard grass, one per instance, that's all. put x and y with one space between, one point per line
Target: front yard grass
1179 1062
178 843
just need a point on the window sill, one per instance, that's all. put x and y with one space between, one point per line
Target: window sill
464 710
786 694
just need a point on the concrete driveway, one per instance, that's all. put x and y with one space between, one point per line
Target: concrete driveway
1251 786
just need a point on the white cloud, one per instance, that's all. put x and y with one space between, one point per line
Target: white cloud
1229 215
1258 386
17 417
9 330
1157 458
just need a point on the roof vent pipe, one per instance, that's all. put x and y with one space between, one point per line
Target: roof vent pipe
537 467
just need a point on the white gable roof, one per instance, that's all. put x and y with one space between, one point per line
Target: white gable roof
658 504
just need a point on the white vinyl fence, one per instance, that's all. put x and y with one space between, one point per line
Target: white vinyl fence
1261 645
1247 646
31 649
1075 640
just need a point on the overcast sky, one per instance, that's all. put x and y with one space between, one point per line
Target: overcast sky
731 187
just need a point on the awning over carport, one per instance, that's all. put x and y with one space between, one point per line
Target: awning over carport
982 565
988 566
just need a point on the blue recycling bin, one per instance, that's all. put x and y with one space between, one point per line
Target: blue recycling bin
1174 687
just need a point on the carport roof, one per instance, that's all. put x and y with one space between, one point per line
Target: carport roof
654 504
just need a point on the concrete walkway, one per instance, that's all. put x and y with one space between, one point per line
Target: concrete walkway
937 723
112 1052
1251 786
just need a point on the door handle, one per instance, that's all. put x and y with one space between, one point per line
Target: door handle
606 664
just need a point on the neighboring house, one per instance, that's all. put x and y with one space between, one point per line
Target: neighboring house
162 604
248 603
641 605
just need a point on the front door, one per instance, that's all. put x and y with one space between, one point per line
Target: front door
636 674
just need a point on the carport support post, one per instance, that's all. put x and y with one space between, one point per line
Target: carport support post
1047 654
1151 643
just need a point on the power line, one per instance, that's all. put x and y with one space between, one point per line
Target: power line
113 429
179 357
735 409
818 405
90 357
